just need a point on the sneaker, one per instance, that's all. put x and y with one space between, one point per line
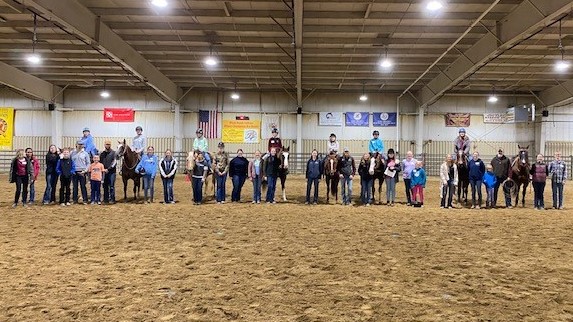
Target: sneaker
450 207
472 207
45 203
223 201
218 202
14 205
63 204
306 202
99 202
367 205
273 202
316 203
253 201
258 202
561 208
25 205
172 201
478 207
68 204
442 207
408 204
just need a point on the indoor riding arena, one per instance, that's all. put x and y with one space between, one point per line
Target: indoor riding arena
462 109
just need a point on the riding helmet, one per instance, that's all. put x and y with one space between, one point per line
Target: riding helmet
199 131
86 129
462 130
139 128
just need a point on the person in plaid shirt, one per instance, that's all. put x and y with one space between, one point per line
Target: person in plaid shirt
558 173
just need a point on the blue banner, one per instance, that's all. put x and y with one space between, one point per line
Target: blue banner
357 118
384 119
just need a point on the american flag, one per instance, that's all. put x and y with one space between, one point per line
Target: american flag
209 122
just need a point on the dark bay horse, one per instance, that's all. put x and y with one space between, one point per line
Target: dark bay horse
379 168
463 177
332 176
520 173
130 159
283 169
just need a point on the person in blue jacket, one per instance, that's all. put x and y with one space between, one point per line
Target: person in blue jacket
375 144
147 167
88 142
418 183
313 174
489 181
477 170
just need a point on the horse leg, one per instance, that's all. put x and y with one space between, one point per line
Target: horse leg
124 188
327 189
380 182
517 194
283 179
523 196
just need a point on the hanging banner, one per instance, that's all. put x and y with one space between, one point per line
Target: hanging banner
241 131
495 118
384 119
458 119
6 128
270 121
357 118
330 119
114 114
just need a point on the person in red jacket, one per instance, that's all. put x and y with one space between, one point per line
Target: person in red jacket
36 169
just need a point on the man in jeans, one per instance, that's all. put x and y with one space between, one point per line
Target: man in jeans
81 161
109 161
347 169
558 174
500 164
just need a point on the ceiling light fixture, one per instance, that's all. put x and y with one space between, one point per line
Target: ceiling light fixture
34 58
434 5
363 97
235 95
211 60
562 65
159 3
104 93
492 97
386 63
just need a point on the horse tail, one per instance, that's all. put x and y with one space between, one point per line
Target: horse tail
334 186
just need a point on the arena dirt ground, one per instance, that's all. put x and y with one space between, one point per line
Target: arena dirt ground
284 262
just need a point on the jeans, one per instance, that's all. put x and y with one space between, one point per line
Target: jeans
148 186
346 189
109 187
79 179
96 190
168 190
490 197
271 188
50 192
448 191
538 189
390 189
557 192
238 182
32 191
366 190
498 183
257 180
197 190
65 189
408 185
309 183
418 191
476 188
221 191
21 188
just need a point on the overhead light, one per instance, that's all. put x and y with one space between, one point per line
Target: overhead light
235 95
159 3
34 59
562 66
104 93
363 97
211 61
434 5
386 63
492 99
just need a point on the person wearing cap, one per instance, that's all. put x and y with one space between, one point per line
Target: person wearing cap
462 143
332 145
220 170
109 160
81 161
376 144
88 142
139 141
201 144
347 170
489 181
501 165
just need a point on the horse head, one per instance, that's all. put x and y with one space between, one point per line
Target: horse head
331 164
121 148
284 154
523 154
462 157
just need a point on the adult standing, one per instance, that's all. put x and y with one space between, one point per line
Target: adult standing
220 170
256 176
375 144
408 165
81 161
238 171
21 173
558 173
52 158
167 169
139 141
347 170
147 167
109 160
477 170
88 142
462 143
366 172
449 181
501 165
270 173
36 171
313 174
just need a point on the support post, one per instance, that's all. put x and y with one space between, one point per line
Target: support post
178 128
57 127
420 132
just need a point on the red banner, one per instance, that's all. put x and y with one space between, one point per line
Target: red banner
112 114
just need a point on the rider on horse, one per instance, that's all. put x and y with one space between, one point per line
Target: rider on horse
375 144
462 143
200 143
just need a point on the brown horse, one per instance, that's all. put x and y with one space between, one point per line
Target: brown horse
520 173
463 177
331 176
130 159
379 168
283 169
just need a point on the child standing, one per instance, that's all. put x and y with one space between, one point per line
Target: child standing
366 172
477 170
21 173
147 167
36 172
65 169
418 183
96 171
392 169
167 169
255 175
489 181
539 172
558 171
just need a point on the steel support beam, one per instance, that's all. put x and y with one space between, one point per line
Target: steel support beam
558 94
525 20
298 23
28 84
80 21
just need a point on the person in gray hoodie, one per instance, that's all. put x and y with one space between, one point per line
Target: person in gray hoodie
81 161
313 174
347 170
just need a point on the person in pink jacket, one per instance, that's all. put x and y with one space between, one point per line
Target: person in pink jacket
36 168
256 176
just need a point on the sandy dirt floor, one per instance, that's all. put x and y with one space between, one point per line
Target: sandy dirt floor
284 262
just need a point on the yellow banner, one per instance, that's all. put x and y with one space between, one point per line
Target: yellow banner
6 128
246 131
